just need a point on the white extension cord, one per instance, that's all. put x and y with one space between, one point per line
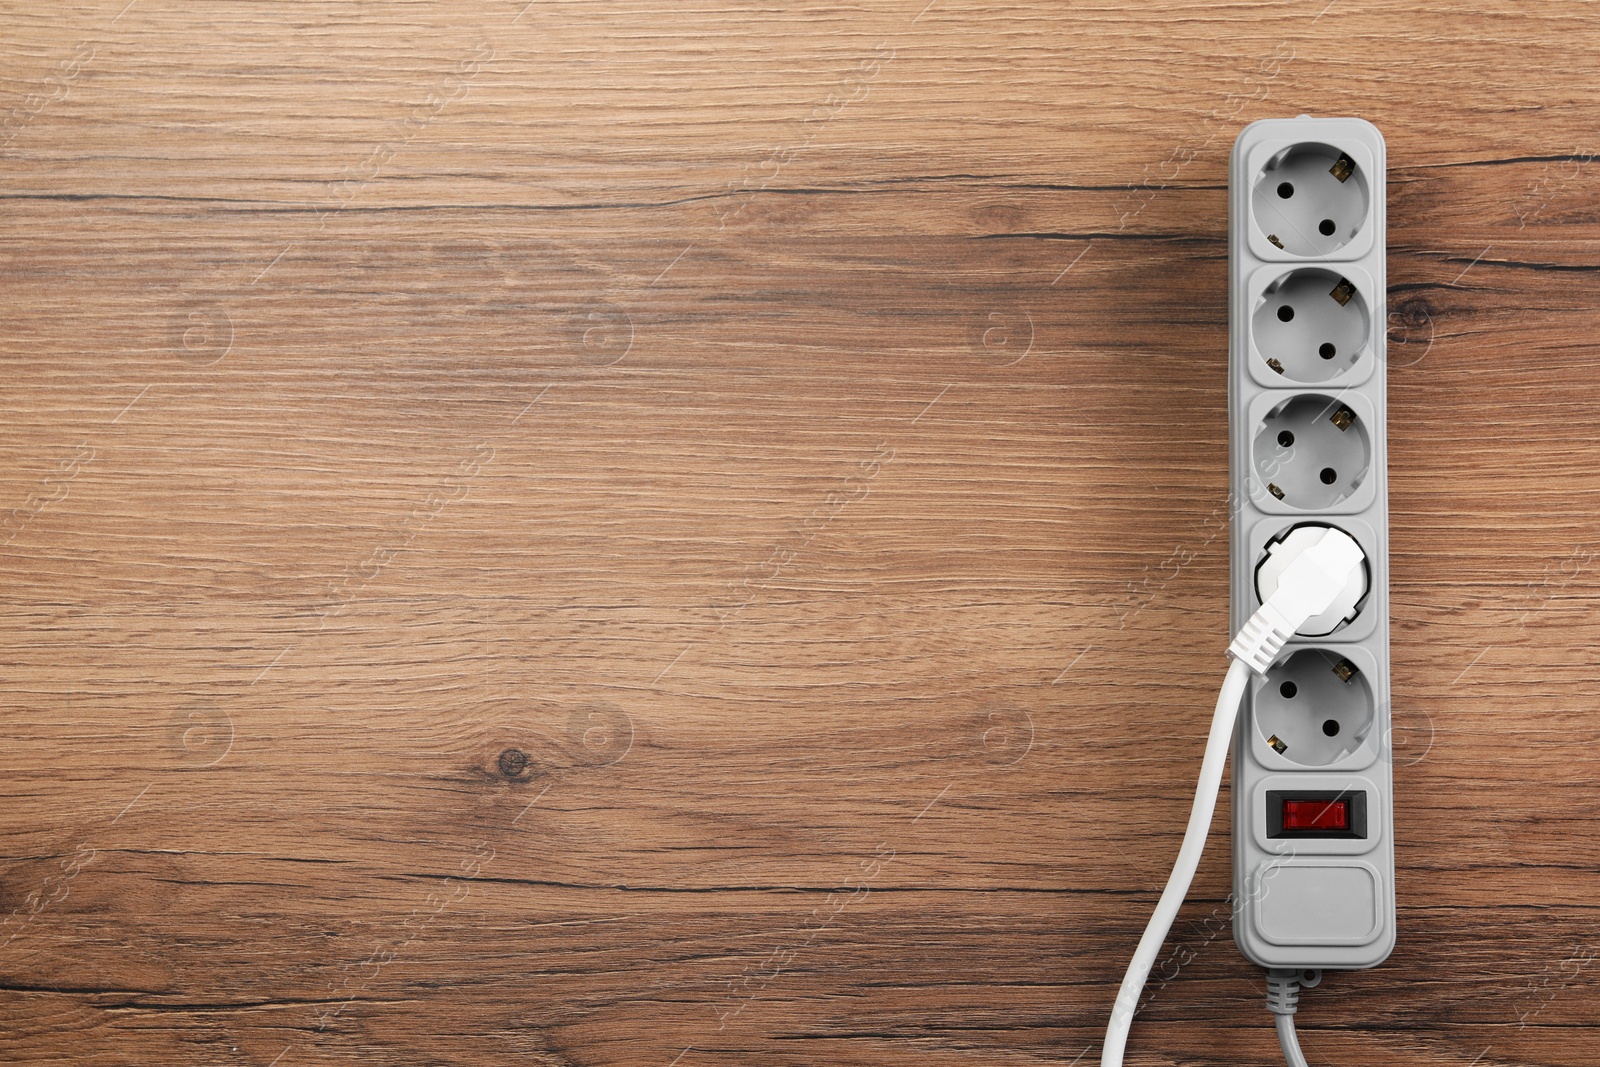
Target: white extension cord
1308 586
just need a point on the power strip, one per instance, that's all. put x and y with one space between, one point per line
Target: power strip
1313 842
1305 702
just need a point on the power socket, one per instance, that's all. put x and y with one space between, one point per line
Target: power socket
1313 841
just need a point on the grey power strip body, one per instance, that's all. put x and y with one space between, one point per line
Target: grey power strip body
1313 842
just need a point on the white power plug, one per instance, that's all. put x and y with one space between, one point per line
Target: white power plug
1283 549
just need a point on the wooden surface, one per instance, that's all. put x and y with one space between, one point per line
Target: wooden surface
607 533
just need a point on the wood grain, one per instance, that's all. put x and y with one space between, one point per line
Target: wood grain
599 533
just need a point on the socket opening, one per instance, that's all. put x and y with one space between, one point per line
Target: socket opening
1311 199
1310 325
1313 708
1311 452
